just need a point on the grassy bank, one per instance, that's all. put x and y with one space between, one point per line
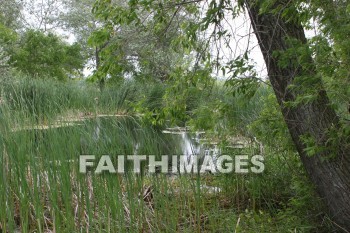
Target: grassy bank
42 190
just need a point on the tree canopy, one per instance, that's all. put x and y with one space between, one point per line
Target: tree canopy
41 55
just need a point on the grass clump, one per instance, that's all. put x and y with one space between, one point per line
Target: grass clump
41 189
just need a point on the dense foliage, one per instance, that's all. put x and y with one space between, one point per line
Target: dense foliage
41 55
130 70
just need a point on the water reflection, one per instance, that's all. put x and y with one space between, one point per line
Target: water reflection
113 136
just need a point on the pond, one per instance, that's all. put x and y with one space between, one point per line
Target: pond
107 135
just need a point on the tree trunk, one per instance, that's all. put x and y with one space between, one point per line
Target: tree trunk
331 177
101 82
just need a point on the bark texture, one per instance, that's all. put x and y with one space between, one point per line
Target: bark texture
331 177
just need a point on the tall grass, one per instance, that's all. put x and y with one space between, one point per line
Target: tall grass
42 190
